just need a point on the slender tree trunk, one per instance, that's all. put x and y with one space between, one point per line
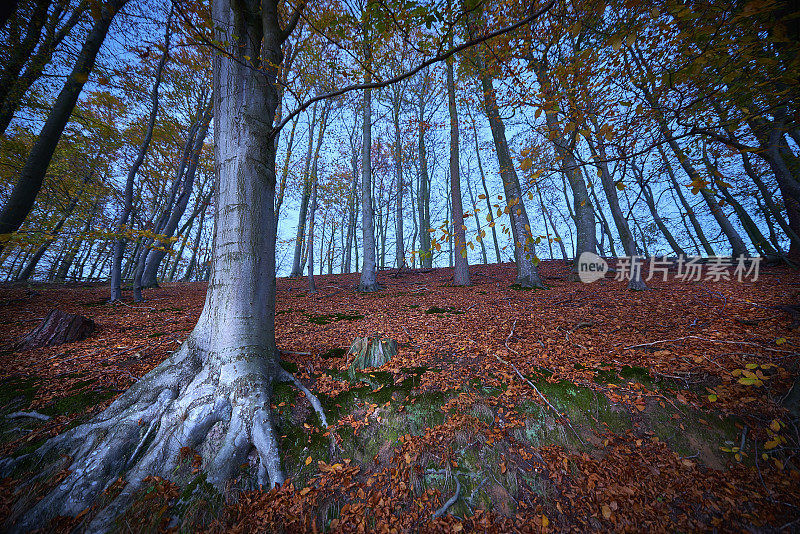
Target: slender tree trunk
29 269
195 247
735 240
27 187
584 212
480 232
761 243
125 215
610 189
15 84
489 212
368 280
69 258
155 256
312 287
527 273
698 229
285 170
399 243
662 226
424 197
297 270
459 249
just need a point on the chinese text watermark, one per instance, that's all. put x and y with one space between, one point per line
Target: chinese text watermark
592 267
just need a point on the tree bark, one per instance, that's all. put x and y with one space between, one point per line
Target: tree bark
527 273
368 280
459 249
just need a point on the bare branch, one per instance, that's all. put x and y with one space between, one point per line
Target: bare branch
400 77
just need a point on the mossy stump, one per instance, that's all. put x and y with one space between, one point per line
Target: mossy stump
371 352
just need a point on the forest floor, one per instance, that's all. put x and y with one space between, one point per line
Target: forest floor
663 408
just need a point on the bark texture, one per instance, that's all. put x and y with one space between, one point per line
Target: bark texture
223 375
57 328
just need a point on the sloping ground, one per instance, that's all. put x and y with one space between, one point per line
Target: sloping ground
583 406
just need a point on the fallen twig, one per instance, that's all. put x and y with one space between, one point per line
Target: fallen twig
533 386
707 339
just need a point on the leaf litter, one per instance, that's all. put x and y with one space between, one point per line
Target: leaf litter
584 406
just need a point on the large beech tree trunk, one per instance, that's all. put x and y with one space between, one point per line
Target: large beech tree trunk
223 374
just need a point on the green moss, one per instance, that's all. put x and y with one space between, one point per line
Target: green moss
198 504
170 309
17 391
158 334
82 384
336 352
289 366
448 310
327 318
77 403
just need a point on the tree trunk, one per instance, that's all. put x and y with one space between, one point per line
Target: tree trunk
584 212
14 84
56 329
312 287
489 212
224 373
648 198
459 249
735 240
155 256
368 280
527 273
478 230
127 208
399 243
610 189
709 250
31 267
424 197
27 187
297 270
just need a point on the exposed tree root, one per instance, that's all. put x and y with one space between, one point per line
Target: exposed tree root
143 431
450 502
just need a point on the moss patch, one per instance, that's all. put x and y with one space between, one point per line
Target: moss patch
77 403
327 318
447 310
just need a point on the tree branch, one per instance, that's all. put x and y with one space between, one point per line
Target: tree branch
400 77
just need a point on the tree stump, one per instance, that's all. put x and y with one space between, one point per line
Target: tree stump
57 328
372 352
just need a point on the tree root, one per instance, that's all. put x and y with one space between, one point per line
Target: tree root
450 502
143 431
